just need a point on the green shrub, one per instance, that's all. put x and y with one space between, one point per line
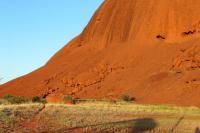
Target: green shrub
37 99
69 99
7 96
126 97
17 100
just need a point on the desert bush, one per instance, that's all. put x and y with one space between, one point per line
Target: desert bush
18 100
126 97
7 96
15 99
37 99
69 99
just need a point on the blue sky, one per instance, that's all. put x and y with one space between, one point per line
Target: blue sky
31 31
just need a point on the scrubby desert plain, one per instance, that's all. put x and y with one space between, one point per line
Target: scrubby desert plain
149 49
93 116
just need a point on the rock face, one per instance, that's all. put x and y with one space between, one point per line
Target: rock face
147 48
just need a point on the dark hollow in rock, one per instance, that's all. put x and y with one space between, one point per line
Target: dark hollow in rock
160 37
188 33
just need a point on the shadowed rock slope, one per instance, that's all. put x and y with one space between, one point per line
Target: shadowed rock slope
147 48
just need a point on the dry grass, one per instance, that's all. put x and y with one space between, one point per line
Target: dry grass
100 117
137 108
11 116
106 116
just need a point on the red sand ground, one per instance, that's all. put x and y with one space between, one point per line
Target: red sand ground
147 48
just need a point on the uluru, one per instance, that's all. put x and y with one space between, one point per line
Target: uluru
149 49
